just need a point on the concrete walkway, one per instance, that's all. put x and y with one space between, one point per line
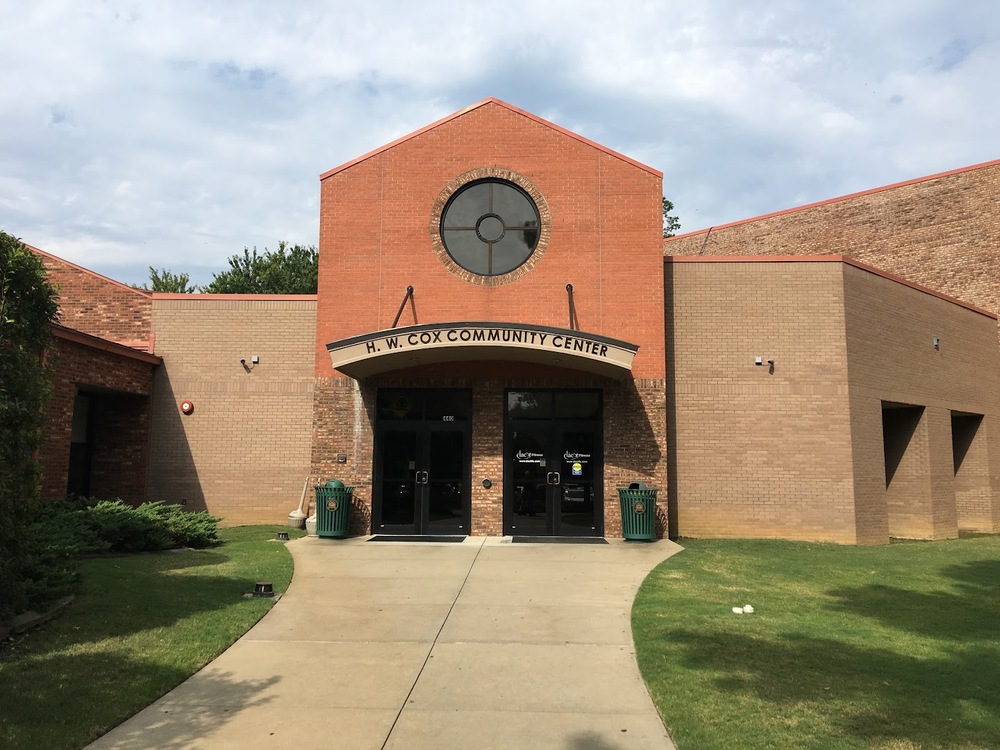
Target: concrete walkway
483 644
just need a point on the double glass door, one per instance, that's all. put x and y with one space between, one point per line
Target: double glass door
422 462
553 464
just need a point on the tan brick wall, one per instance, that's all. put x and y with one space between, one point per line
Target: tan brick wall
757 453
244 453
909 495
890 332
798 453
973 495
940 231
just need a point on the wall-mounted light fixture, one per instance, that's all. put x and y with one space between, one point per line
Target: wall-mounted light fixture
759 362
187 406
937 344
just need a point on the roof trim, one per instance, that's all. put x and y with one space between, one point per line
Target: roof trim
828 201
141 292
826 259
202 297
505 105
95 342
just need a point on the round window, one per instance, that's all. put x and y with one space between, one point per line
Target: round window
490 227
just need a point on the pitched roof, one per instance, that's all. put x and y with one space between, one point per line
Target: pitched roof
828 201
505 105
102 277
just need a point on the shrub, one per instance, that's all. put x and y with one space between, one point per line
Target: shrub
113 526
187 529
65 530
27 310
127 529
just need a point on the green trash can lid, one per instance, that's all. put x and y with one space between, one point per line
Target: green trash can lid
335 483
638 486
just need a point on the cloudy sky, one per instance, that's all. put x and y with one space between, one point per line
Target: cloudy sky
173 134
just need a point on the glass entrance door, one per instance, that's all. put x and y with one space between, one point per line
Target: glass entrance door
423 461
553 467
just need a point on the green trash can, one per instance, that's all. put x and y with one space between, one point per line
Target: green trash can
333 509
638 512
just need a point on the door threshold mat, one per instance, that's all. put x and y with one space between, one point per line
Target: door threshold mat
558 540
415 538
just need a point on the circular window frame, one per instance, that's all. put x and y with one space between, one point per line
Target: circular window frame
477 175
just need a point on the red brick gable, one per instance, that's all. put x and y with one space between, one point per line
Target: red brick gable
377 235
491 101
100 306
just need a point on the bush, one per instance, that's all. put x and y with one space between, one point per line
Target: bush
187 529
27 310
127 529
65 530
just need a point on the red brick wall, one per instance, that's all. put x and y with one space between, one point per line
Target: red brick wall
119 468
97 305
941 231
121 447
634 432
376 237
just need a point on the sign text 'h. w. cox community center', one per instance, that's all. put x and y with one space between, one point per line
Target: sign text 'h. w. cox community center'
502 337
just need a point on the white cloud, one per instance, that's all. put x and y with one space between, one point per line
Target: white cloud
173 134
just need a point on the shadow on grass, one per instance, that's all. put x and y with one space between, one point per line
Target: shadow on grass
133 593
196 708
968 612
872 694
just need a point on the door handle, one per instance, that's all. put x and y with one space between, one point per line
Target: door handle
421 477
553 478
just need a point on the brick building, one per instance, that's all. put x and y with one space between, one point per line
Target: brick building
498 342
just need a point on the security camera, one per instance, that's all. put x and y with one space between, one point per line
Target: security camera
243 361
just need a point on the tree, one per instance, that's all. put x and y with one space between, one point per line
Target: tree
166 281
670 223
287 270
27 310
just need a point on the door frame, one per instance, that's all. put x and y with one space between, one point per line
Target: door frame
421 495
556 430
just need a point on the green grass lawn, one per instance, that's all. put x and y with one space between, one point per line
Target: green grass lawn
894 647
139 626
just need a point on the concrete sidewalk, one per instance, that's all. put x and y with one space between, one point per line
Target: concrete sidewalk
483 644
